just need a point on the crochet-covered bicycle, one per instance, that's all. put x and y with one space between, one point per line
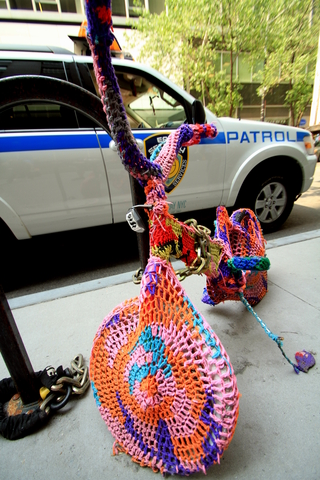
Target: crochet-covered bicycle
162 380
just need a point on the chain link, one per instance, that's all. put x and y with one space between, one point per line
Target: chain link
202 242
76 384
201 263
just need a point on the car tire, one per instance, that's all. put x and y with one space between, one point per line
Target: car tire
271 199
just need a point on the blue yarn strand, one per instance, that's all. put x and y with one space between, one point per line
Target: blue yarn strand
271 335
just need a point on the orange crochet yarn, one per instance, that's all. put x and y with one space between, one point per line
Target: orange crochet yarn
243 265
162 380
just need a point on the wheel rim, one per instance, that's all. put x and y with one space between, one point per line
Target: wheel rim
271 202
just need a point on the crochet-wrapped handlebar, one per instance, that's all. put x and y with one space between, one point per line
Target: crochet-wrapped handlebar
100 38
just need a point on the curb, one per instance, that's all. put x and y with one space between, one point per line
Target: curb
54 294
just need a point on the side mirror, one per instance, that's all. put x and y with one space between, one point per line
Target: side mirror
198 112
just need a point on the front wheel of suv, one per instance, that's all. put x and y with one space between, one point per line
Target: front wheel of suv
271 199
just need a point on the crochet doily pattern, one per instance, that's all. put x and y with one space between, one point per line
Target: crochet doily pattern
162 380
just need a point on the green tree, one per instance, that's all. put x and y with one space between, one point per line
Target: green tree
182 42
186 40
287 36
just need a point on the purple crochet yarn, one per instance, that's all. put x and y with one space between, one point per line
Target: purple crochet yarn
100 38
305 360
186 134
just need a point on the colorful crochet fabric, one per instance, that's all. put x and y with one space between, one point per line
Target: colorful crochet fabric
162 380
243 265
100 38
171 238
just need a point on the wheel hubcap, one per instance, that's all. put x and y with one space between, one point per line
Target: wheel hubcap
271 202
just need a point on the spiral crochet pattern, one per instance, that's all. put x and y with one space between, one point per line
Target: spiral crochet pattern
162 380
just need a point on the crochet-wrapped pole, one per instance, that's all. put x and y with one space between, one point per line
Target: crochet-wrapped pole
100 38
139 198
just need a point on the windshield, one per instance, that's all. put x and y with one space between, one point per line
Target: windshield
147 106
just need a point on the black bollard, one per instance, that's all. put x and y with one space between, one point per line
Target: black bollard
15 355
139 198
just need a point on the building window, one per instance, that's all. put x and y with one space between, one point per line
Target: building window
64 6
46 6
156 6
119 8
21 5
128 8
245 70
68 6
226 65
134 9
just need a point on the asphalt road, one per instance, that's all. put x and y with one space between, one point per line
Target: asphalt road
67 258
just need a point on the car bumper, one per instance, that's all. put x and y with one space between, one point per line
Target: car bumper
309 172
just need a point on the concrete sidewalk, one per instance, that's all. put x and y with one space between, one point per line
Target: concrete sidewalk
277 436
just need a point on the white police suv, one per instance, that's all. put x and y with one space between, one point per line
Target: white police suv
59 168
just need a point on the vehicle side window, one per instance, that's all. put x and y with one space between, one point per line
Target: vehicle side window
85 76
10 68
85 122
147 105
38 116
53 69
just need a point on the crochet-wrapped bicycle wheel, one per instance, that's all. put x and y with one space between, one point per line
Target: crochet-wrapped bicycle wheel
162 381
161 378
243 265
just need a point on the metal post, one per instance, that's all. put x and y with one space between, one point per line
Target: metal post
138 198
15 355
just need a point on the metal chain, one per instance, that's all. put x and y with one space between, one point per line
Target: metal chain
76 384
202 242
200 264
137 276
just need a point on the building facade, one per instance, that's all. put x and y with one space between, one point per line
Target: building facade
53 22
57 23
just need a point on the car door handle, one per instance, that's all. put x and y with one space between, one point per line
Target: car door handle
140 144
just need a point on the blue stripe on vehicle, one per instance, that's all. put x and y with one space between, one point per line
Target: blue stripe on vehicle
301 135
68 142
220 139
104 141
47 142
142 136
